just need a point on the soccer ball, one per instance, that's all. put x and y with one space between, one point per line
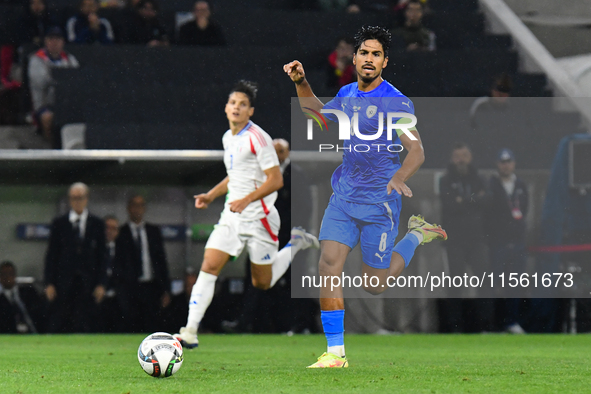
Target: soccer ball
160 355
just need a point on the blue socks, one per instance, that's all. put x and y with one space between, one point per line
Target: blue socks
406 247
333 323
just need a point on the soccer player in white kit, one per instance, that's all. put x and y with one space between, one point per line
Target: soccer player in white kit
249 218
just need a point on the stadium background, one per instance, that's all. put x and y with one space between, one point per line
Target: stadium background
133 97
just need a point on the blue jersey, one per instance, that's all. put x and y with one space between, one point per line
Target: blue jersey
364 175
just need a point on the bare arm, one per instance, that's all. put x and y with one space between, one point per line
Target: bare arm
203 200
413 161
273 183
307 98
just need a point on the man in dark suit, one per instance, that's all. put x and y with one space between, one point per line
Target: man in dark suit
19 305
110 310
75 269
140 270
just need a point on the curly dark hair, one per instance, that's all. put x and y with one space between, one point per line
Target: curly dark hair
381 34
249 88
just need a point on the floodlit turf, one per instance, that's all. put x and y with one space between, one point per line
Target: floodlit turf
276 364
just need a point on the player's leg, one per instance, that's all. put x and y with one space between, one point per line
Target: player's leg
268 265
377 244
332 305
261 275
223 243
420 232
339 234
201 295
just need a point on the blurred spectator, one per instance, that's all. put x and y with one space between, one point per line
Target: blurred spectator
19 305
400 7
203 30
35 23
464 197
496 114
10 83
42 85
75 269
140 270
110 310
144 27
9 88
506 230
497 100
87 28
340 70
339 5
412 35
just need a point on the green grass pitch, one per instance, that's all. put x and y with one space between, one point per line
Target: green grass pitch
276 364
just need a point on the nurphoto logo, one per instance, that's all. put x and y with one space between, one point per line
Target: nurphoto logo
350 127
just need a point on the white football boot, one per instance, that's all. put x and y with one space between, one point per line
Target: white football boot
305 239
188 337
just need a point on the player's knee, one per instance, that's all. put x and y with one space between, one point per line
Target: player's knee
261 284
327 264
211 267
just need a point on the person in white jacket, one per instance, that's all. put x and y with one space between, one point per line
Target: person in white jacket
42 85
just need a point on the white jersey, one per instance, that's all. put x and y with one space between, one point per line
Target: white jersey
246 156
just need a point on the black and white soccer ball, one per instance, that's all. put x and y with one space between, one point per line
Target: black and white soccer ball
160 355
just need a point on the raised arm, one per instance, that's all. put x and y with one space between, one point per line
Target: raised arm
295 70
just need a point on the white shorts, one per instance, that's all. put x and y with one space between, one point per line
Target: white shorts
230 235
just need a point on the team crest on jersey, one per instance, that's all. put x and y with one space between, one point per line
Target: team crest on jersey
371 111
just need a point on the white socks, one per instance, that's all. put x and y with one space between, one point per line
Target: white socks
417 234
201 297
281 263
203 289
295 244
337 350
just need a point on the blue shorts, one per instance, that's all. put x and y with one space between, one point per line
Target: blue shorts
376 225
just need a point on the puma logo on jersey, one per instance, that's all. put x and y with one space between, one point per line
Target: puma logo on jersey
407 104
381 257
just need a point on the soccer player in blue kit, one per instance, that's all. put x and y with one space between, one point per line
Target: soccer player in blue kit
367 186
